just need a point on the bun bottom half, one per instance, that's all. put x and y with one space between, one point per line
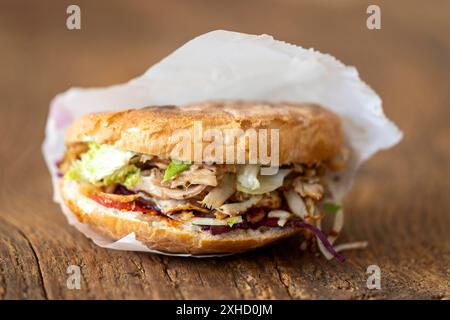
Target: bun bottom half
161 233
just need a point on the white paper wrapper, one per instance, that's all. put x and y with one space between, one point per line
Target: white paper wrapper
230 65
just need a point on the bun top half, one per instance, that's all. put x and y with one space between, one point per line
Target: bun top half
307 133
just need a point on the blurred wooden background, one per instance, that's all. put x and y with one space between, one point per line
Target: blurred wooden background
400 201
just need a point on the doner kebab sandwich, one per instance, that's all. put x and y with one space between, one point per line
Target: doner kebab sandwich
139 171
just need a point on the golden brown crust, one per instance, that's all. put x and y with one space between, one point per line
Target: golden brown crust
161 233
308 133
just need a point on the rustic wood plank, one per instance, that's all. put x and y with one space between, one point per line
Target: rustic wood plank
20 274
399 201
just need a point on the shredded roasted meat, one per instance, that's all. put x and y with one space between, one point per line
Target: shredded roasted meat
195 175
156 187
307 189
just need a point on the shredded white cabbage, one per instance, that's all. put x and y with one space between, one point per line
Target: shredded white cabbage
104 162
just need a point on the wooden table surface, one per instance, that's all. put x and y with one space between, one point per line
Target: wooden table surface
400 201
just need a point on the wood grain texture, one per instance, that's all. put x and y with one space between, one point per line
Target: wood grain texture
399 202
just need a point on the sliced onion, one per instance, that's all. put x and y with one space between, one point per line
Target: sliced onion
338 223
282 221
296 204
279 214
217 196
267 183
282 216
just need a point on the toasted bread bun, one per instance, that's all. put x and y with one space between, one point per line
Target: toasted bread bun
163 234
307 133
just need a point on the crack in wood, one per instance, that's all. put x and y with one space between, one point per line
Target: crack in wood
280 278
165 268
235 282
139 266
41 277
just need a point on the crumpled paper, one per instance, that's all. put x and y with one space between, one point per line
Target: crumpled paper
230 65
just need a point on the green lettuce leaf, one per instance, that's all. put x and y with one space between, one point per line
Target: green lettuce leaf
233 220
175 167
104 164
127 176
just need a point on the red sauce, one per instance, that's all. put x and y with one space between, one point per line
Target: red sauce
126 206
